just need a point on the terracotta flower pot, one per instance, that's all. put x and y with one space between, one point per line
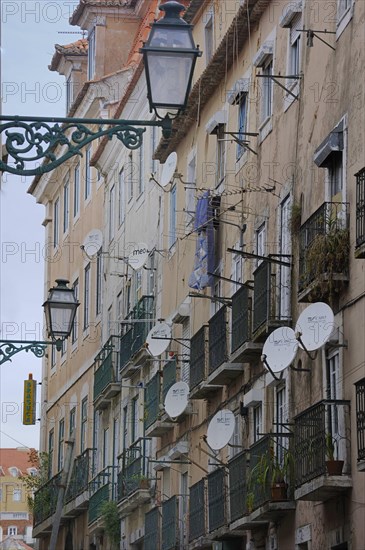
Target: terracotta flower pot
279 491
334 467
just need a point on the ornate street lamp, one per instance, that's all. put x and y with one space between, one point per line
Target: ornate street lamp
169 56
60 310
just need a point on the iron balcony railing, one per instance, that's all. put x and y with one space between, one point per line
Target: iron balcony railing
237 469
152 400
169 377
170 527
264 278
241 315
101 489
134 471
360 418
324 243
106 362
326 422
134 336
218 349
216 499
198 357
360 207
151 540
80 475
45 499
197 520
259 476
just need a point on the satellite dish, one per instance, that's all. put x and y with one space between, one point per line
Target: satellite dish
280 348
176 399
156 346
315 324
138 256
220 429
168 169
92 242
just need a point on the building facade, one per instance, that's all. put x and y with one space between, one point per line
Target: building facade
16 520
262 215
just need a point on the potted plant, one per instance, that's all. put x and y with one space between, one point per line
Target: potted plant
334 466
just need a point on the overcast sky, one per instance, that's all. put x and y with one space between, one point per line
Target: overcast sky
29 30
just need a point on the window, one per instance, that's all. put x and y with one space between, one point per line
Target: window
75 327
69 93
99 278
260 242
221 154
281 419
329 155
111 213
267 90
125 428
96 446
87 173
242 122
237 270
130 176
61 439
110 321
236 440
360 207
190 191
53 357
115 441
257 423
76 190
50 451
91 55
121 210
106 448
64 348
172 224
12 530
285 249
154 141
333 378
360 418
66 204
294 44
56 222
185 357
334 168
343 6
140 170
17 495
134 420
208 36
83 436
72 421
86 296
14 472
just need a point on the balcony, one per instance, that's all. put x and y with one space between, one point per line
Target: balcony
45 501
133 485
77 493
217 512
221 371
156 422
151 540
266 311
360 423
243 349
324 248
360 214
197 519
199 389
326 424
252 499
101 489
133 352
106 376
170 524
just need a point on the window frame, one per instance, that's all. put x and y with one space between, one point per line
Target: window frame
66 204
172 237
87 179
87 278
83 425
76 201
91 53
75 326
56 222
61 440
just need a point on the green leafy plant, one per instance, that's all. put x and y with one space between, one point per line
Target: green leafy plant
330 447
295 218
39 461
111 521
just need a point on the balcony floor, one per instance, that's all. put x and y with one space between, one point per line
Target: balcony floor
204 390
270 511
136 499
323 488
249 351
77 505
159 428
104 399
225 373
319 288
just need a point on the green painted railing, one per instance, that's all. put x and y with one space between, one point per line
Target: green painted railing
238 485
262 294
151 540
197 509
169 377
170 533
152 400
101 489
198 357
80 475
135 335
240 318
96 501
45 499
218 352
134 470
106 366
216 499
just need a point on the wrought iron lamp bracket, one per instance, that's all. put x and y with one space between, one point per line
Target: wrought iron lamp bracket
34 139
8 349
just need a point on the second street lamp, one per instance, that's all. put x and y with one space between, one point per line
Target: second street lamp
60 310
169 56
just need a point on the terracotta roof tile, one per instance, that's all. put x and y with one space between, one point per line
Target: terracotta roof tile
99 3
79 47
15 457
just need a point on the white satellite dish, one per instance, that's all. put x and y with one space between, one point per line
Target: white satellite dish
138 256
315 325
220 429
158 339
280 348
92 242
176 399
168 169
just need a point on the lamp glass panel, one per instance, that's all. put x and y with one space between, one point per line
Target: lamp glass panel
61 319
62 296
169 77
171 38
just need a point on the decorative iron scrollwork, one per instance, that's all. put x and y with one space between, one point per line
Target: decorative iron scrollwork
8 349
